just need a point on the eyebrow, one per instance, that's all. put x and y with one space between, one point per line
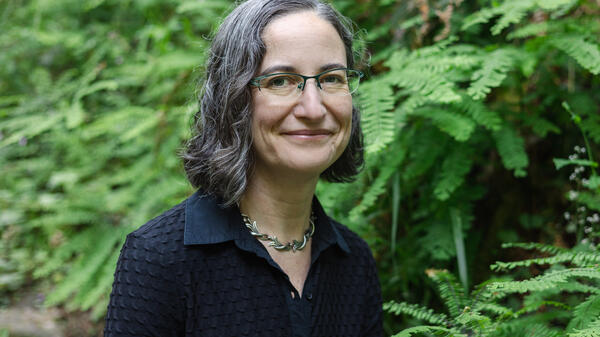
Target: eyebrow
290 69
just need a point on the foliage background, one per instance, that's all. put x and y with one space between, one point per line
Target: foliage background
462 111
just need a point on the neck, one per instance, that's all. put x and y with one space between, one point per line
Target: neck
281 206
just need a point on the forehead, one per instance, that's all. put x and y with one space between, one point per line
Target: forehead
302 41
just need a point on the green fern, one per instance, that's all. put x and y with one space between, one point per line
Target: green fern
539 125
585 313
493 71
431 329
479 112
533 29
511 148
586 53
85 268
546 281
378 186
483 314
377 112
576 258
417 311
593 330
458 126
535 246
451 291
427 74
511 12
452 172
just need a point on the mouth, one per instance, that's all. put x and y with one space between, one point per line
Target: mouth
309 133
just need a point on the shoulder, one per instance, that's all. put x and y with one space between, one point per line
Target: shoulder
357 245
162 234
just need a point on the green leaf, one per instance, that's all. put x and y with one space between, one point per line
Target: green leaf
493 71
75 115
586 53
377 104
560 163
452 172
423 329
511 148
459 127
585 313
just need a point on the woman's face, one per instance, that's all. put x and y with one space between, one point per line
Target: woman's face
305 134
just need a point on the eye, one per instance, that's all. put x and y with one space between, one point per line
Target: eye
280 82
335 78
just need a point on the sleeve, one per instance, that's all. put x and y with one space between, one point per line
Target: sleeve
144 299
373 319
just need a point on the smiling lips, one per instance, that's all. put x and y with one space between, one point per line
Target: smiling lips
309 134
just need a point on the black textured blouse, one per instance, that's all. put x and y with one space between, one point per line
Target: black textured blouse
195 270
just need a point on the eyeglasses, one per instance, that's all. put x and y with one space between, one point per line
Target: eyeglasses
335 82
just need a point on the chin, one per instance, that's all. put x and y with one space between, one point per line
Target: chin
310 165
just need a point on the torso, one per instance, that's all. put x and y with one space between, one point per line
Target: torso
294 264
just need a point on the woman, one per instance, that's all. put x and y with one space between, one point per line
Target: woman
252 252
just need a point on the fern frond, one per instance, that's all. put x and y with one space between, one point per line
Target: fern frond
511 148
512 12
474 321
573 286
535 306
593 330
416 311
377 114
541 330
539 125
451 291
551 5
86 267
418 73
585 313
27 127
425 151
100 285
452 172
479 112
458 126
378 187
65 252
482 16
493 308
534 245
543 282
431 329
533 29
527 326
493 71
581 259
586 53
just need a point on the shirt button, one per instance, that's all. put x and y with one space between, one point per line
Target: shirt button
309 296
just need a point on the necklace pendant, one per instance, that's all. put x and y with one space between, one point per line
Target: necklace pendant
273 241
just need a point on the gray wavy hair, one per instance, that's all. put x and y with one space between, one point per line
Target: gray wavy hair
219 157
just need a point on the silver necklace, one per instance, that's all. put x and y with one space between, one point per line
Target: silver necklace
274 242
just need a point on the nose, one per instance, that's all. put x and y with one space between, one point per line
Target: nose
310 103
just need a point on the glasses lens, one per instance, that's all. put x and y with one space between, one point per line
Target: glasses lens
353 80
281 84
339 82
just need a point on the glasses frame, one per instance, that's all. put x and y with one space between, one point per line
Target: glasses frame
256 81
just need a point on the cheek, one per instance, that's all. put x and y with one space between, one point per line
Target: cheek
345 117
260 115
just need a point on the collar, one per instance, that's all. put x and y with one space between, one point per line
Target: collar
206 222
